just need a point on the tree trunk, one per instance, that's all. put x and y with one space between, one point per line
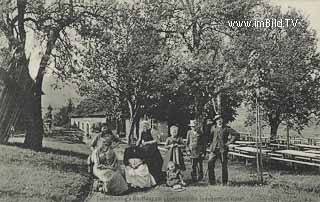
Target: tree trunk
199 112
274 124
134 118
34 135
9 110
35 130
16 84
219 110
137 126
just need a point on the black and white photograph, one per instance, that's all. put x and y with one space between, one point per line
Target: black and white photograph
160 100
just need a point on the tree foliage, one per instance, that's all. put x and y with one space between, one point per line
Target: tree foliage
283 63
124 64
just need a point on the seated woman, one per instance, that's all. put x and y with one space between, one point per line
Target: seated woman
107 170
149 143
97 142
136 171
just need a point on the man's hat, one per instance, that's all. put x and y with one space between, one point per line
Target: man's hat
210 121
192 123
218 116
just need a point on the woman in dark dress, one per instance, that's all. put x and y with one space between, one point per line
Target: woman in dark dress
136 170
149 143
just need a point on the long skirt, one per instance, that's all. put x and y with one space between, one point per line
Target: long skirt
114 181
154 161
139 177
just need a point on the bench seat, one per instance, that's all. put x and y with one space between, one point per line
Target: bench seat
241 155
295 161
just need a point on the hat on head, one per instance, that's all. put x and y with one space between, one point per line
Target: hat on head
210 121
218 116
192 123
107 141
145 122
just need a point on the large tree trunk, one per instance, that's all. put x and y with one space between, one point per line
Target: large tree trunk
274 124
15 84
35 130
134 118
34 135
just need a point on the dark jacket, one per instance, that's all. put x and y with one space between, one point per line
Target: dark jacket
220 138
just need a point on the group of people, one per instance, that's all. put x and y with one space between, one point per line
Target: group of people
144 166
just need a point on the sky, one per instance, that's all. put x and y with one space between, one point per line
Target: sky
59 97
310 8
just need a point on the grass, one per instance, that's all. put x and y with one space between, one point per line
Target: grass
57 173
282 185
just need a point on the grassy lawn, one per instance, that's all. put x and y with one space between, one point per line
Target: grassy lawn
57 173
281 186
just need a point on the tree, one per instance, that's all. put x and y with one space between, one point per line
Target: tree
199 31
14 68
283 64
52 22
125 62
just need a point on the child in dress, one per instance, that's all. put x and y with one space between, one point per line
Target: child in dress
174 144
175 178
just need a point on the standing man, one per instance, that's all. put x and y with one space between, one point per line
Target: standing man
219 148
196 147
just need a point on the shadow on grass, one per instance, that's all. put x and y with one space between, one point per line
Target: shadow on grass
66 139
53 151
84 191
11 193
192 183
287 185
250 183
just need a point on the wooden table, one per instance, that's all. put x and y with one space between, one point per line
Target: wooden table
245 142
297 154
279 145
243 152
313 151
306 146
232 146
252 150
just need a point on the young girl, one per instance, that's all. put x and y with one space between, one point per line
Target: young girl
174 144
174 177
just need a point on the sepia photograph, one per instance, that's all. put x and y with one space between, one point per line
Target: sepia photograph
160 100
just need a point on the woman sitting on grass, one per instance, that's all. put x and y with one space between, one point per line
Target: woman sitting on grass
136 171
106 169
97 142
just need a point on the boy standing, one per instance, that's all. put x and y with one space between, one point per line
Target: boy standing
196 147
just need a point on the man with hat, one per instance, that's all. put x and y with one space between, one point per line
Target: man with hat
219 148
196 147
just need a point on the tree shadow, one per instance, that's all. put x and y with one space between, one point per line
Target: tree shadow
52 150
249 183
192 183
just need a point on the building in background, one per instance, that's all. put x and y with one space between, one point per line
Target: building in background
88 122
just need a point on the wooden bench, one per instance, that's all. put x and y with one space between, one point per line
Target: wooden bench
295 161
269 154
247 157
308 159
